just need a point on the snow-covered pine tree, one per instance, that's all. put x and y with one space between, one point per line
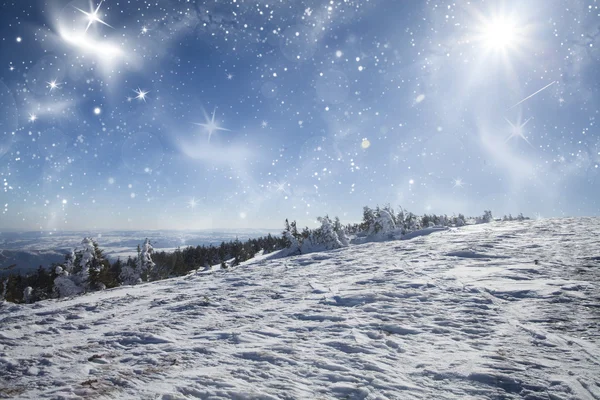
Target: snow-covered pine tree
383 226
412 223
87 255
460 220
28 295
69 262
140 269
341 232
390 210
294 229
91 265
64 283
400 218
487 217
130 274
293 244
145 263
368 219
443 221
327 235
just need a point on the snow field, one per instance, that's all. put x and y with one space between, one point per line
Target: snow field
458 314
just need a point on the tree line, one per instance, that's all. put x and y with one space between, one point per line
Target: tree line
86 269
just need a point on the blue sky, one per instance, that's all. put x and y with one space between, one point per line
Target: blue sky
236 114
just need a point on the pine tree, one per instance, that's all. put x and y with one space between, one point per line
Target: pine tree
130 273
383 226
222 252
327 235
390 210
85 262
69 262
287 225
294 229
14 289
67 282
291 238
2 289
145 263
412 223
341 232
92 265
460 220
400 218
368 219
142 268
28 295
109 276
487 217
236 251
42 283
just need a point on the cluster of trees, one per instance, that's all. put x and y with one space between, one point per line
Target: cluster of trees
380 223
330 235
386 219
519 217
86 269
183 261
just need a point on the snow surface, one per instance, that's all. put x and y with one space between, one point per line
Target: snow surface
458 314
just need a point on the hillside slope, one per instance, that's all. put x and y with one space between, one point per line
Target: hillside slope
459 314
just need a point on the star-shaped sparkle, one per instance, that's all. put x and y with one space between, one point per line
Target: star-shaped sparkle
52 85
93 16
32 117
458 183
280 187
210 125
192 203
517 130
141 95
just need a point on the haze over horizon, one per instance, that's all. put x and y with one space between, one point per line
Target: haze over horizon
193 115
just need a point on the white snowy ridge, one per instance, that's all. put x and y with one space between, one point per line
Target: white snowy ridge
507 310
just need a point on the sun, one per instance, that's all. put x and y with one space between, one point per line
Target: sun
500 34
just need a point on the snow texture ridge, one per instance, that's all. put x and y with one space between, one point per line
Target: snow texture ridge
507 310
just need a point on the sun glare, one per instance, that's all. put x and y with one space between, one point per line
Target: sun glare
500 34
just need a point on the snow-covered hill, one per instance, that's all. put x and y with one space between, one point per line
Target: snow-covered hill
459 314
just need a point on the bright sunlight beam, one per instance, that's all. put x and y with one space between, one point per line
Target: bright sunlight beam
500 34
